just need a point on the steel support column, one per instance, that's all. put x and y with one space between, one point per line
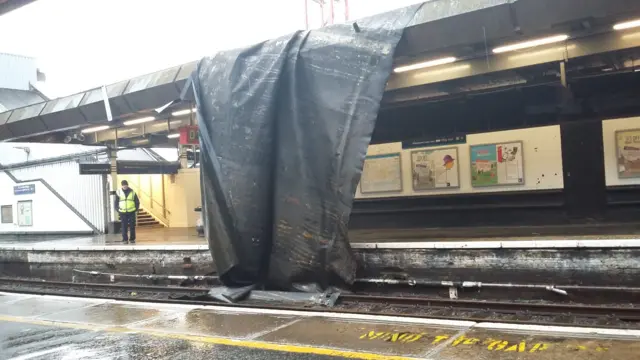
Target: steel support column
112 188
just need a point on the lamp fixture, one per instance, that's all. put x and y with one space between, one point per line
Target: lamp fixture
139 121
531 43
183 112
94 129
627 25
425 64
173 136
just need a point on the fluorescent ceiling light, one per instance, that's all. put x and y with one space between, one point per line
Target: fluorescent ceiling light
627 25
173 136
426 64
531 43
95 129
139 121
183 112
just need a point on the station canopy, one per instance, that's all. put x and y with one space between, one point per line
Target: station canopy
10 5
461 36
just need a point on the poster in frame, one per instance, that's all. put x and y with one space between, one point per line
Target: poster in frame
497 164
381 173
433 169
628 153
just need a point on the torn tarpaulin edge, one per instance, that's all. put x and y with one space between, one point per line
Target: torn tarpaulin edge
227 295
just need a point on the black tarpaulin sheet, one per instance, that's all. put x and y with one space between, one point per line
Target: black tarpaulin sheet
284 129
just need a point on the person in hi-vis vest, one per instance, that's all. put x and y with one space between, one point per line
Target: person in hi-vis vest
127 205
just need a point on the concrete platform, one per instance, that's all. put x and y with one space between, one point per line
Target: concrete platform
71 328
187 239
598 260
157 251
154 238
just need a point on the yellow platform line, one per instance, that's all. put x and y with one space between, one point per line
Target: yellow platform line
252 344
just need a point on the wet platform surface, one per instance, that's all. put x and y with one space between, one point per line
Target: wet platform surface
187 239
64 328
157 237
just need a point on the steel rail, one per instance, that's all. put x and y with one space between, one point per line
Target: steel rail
623 313
61 284
345 300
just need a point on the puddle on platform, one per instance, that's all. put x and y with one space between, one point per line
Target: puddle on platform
205 322
106 314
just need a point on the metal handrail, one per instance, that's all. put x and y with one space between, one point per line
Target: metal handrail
153 200
163 218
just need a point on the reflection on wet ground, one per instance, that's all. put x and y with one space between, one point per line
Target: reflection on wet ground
156 236
33 327
35 306
21 341
105 314
203 322
188 236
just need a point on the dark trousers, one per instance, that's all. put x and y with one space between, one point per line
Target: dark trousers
128 221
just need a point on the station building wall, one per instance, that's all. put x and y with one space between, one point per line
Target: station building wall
184 196
543 169
85 193
542 163
49 213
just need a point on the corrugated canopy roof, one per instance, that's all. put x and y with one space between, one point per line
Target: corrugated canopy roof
12 99
10 5
464 28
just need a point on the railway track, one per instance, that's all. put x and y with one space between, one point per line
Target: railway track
425 307
99 286
506 307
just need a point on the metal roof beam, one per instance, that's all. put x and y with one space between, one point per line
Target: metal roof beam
571 49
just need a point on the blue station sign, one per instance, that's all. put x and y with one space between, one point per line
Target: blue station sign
24 189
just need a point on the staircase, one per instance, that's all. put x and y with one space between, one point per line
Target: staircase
145 220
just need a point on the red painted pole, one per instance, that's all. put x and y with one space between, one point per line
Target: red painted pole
332 12
346 10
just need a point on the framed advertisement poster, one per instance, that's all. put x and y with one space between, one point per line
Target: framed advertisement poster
381 173
25 213
628 153
497 164
435 169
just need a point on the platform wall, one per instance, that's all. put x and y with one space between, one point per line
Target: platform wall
609 128
542 163
50 215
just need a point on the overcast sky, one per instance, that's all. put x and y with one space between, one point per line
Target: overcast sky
81 44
